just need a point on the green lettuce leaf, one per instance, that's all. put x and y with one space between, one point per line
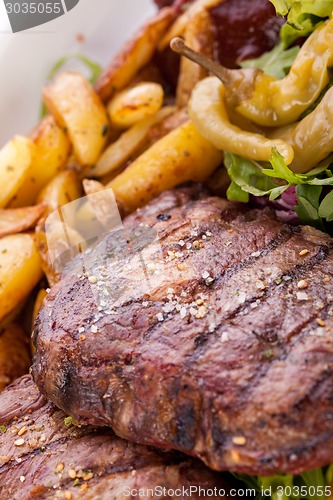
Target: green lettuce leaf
272 179
276 62
325 210
303 17
247 177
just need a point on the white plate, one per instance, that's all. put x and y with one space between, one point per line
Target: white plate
26 57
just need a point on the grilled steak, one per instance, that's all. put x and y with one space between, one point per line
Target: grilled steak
226 354
50 459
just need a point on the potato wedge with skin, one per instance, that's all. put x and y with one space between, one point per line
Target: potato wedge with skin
58 243
167 125
180 156
86 215
135 104
199 36
16 158
16 220
15 358
52 150
63 189
179 26
76 106
128 143
134 55
38 304
20 270
52 275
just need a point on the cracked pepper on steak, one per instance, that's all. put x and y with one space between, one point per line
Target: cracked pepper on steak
227 355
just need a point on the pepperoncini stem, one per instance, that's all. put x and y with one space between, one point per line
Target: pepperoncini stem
270 102
240 80
312 137
209 114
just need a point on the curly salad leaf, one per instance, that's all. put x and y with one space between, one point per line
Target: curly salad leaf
313 190
315 207
303 17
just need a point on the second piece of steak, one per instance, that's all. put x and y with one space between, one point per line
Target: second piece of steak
226 354
43 456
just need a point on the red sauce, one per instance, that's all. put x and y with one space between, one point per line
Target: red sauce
244 29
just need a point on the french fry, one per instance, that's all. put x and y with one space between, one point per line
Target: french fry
199 36
135 104
167 125
180 156
103 206
134 56
54 243
38 304
63 189
76 106
51 152
15 358
91 186
128 143
86 216
179 26
16 220
52 275
20 270
16 158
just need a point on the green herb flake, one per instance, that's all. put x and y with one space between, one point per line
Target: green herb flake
68 421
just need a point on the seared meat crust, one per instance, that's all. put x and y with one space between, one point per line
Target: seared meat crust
227 355
56 461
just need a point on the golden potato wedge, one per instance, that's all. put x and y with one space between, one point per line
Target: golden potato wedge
20 270
15 358
102 207
118 153
76 106
57 244
135 104
16 220
167 125
180 156
134 56
63 189
38 304
87 220
179 26
51 152
16 158
91 186
52 275
199 36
